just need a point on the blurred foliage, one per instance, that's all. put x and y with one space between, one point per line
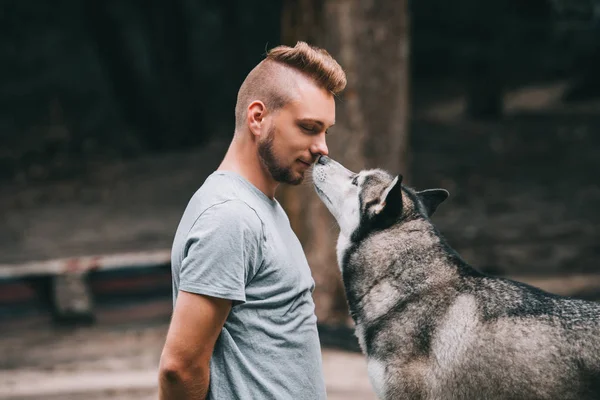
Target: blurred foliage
118 78
526 40
99 80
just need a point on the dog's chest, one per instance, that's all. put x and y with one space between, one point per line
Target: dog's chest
376 372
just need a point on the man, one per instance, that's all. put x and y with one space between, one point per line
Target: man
243 324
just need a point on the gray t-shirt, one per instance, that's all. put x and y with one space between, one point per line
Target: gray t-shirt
234 242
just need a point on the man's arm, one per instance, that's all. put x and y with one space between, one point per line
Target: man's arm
184 364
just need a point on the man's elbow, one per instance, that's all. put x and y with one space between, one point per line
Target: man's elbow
173 372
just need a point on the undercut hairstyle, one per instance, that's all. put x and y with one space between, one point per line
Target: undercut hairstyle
272 81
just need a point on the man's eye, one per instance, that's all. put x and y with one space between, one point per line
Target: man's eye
355 181
307 128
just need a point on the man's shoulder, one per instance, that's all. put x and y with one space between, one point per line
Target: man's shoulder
223 192
231 210
222 205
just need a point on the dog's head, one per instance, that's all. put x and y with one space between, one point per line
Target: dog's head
370 199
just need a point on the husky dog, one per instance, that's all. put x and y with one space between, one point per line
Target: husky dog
430 325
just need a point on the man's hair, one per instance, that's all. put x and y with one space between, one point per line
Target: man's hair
272 79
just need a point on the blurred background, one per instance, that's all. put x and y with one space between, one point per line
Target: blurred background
113 112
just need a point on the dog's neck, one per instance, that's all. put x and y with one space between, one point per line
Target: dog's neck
397 265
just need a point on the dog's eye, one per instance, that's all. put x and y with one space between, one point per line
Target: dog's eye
355 181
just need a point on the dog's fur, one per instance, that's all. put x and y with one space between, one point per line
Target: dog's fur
430 325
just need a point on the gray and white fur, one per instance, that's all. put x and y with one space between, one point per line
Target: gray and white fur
433 327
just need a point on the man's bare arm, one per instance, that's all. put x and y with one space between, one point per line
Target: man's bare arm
184 364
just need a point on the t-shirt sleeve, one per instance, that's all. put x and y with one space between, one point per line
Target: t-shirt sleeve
223 251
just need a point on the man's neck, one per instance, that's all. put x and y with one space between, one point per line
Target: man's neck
241 158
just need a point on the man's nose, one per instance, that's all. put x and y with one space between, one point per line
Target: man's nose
320 147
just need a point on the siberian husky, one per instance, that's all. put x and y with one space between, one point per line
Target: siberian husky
433 327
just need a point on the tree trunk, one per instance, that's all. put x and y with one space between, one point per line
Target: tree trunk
371 43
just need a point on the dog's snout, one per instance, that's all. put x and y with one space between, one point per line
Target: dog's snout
323 160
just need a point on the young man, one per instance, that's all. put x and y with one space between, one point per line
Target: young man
243 325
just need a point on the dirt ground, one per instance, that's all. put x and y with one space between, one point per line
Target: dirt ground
118 357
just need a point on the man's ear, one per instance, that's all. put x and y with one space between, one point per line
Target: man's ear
391 198
432 198
255 116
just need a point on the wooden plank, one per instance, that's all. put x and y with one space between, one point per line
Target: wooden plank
86 264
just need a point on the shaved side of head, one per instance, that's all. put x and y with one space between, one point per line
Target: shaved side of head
275 79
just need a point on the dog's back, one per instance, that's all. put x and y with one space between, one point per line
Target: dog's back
501 339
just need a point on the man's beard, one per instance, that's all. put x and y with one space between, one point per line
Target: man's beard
268 159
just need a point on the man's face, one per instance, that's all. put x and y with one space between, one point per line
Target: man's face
296 135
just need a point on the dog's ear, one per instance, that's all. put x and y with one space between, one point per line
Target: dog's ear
432 198
391 198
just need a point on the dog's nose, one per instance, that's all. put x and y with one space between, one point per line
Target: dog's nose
323 160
